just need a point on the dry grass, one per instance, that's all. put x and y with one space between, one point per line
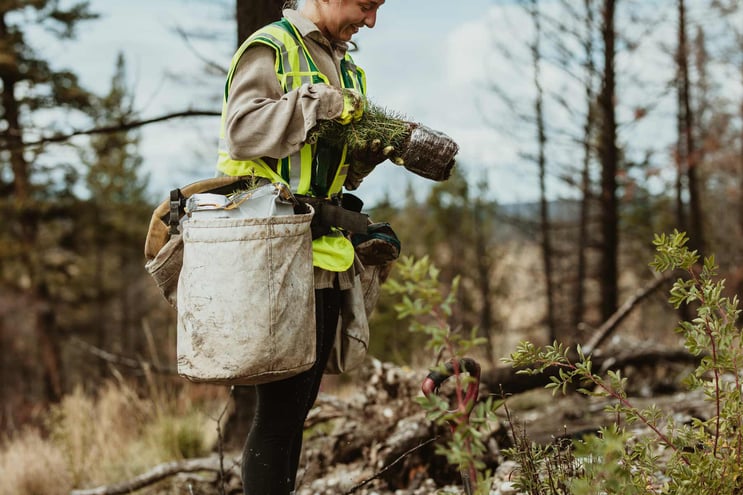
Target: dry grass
31 465
110 437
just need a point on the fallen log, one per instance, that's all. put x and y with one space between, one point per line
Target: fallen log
509 380
159 473
609 326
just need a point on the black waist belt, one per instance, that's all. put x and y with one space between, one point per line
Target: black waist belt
328 214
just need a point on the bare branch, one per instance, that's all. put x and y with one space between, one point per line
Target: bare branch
204 59
112 358
123 126
391 465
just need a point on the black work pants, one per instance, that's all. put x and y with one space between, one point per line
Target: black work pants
271 454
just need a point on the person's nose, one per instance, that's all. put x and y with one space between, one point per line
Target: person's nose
371 19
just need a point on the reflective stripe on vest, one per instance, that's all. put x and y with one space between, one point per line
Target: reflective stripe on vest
294 67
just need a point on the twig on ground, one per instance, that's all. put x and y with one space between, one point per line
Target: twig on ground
390 465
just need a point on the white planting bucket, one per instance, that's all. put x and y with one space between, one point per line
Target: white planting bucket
246 299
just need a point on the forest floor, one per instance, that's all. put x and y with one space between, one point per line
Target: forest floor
375 440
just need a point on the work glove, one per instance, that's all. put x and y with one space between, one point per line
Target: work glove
378 246
364 161
353 107
374 153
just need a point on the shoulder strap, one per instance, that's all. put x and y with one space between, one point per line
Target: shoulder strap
167 215
177 203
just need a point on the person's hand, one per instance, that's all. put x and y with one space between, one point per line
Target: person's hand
374 153
353 107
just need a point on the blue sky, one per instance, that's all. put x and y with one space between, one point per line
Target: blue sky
431 60
408 57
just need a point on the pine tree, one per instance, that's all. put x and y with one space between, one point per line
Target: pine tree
35 185
115 213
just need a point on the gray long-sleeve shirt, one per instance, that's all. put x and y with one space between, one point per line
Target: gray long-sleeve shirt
261 120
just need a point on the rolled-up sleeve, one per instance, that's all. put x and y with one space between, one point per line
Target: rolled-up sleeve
263 121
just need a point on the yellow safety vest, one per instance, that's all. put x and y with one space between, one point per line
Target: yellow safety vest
295 67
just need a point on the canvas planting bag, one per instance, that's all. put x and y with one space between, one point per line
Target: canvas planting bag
163 248
245 298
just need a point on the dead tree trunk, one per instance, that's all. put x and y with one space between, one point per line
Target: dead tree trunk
585 207
740 155
484 263
542 166
609 169
252 14
689 156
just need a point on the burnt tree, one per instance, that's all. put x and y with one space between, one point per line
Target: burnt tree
609 158
252 14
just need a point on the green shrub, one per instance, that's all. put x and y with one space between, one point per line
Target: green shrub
422 300
179 436
704 457
701 457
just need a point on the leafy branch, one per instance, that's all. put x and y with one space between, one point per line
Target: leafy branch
706 455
